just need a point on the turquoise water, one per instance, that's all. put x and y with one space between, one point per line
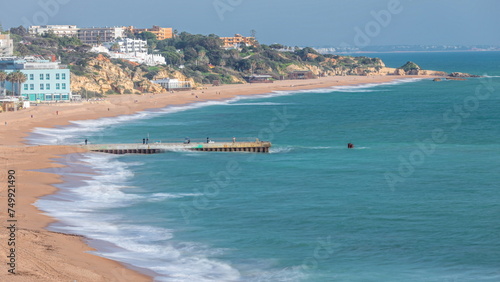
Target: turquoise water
416 200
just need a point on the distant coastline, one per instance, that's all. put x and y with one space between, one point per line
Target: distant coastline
392 52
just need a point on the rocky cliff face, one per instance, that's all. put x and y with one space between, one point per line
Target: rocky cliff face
103 76
123 77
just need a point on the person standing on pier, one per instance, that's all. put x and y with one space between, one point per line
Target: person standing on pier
208 140
234 139
143 141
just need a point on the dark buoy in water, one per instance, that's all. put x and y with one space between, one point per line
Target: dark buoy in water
350 146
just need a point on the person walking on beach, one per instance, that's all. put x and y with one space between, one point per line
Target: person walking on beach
86 141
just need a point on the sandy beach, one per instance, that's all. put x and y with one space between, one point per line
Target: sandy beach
42 255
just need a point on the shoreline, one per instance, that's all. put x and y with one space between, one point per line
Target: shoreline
47 255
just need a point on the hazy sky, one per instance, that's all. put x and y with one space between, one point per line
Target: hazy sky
290 22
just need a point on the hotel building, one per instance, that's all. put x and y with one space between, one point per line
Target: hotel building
47 80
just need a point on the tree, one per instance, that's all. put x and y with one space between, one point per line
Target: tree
276 46
190 54
20 30
115 47
3 77
146 35
150 38
67 41
16 78
129 34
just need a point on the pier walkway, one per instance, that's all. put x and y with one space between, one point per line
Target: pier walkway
154 148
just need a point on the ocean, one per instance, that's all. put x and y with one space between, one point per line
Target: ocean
417 199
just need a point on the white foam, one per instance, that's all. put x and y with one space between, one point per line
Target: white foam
367 87
84 210
258 104
280 150
159 197
317 147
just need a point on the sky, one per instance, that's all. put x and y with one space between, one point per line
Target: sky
318 23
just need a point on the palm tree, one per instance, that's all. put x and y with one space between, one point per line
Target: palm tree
21 78
3 77
10 78
16 77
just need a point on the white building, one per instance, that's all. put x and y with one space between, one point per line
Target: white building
130 50
59 30
140 58
128 45
6 45
173 84
98 35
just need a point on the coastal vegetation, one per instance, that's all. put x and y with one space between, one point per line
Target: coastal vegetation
193 57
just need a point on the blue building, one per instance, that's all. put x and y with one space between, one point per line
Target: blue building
46 80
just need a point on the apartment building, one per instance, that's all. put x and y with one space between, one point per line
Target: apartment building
160 32
236 41
99 35
59 30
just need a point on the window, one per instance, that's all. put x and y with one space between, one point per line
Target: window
47 76
41 76
47 86
25 86
63 76
57 76
32 86
41 86
32 76
58 86
64 86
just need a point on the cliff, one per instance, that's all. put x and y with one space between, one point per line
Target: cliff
100 75
104 77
